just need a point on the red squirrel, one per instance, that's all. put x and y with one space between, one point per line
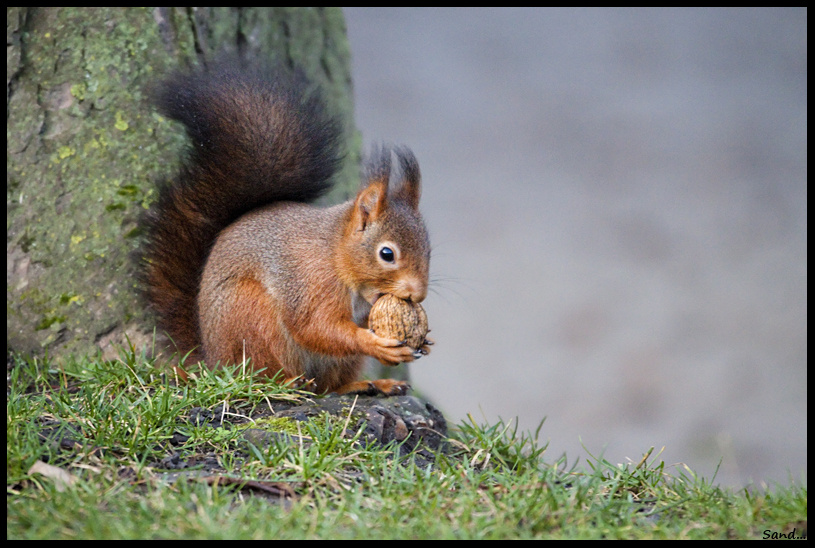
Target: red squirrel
238 264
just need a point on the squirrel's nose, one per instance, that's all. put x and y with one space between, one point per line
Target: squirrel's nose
413 290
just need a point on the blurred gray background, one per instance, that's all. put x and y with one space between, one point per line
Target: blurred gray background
617 203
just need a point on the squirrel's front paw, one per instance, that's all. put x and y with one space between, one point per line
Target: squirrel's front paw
424 350
387 351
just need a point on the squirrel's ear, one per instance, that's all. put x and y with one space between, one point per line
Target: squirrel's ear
372 200
370 203
411 189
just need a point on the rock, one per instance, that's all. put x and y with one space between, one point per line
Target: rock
416 424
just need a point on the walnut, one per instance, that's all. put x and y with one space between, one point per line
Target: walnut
395 318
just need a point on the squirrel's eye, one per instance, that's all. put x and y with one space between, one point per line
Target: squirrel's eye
387 255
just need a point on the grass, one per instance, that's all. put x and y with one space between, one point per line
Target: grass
106 426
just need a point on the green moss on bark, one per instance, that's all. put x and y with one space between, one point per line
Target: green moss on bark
85 150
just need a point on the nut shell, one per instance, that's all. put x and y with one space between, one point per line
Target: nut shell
395 318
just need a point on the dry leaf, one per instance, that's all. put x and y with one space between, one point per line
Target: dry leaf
62 478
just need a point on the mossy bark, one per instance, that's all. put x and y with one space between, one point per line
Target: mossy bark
85 149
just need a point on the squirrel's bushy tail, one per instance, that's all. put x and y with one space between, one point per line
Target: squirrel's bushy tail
257 137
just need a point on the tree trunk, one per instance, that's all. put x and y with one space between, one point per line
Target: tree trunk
85 149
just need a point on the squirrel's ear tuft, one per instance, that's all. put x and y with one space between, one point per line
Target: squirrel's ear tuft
411 189
378 165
